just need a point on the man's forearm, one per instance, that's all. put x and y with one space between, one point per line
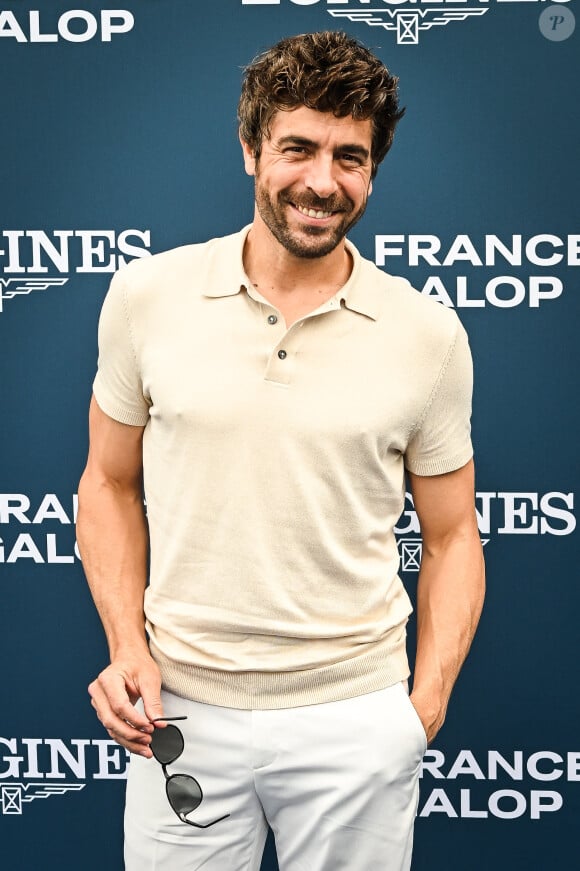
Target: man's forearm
449 601
113 542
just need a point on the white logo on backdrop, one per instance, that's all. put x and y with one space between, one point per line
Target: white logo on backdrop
408 23
479 257
411 552
67 766
74 25
11 287
507 786
412 17
18 794
503 513
27 255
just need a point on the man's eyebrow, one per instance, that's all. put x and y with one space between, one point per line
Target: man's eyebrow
296 140
351 148
360 150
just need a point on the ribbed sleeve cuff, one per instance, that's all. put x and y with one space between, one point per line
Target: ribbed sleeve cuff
441 465
133 417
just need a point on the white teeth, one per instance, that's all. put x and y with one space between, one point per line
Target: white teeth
312 213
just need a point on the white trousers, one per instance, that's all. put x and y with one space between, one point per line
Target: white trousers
337 783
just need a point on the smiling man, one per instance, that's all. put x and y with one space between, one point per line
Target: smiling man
324 163
271 389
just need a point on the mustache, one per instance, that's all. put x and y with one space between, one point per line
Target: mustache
322 204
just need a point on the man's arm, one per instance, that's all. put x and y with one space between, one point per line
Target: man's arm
450 590
113 541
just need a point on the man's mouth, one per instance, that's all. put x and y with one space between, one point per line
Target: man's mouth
313 213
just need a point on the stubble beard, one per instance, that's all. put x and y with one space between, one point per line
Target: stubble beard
311 241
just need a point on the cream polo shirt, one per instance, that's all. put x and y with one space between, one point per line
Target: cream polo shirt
274 468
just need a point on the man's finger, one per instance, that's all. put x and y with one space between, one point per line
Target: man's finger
152 705
149 688
113 686
122 729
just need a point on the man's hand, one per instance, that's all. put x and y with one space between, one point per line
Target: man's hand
113 696
431 714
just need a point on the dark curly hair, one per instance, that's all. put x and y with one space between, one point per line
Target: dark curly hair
327 71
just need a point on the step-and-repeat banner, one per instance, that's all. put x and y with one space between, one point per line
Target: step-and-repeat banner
118 139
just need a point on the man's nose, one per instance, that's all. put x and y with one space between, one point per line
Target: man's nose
321 177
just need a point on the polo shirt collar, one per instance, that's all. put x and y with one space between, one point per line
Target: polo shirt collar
359 294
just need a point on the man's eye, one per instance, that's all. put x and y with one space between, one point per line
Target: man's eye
295 149
351 158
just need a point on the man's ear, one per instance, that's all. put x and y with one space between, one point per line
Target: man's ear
249 158
370 187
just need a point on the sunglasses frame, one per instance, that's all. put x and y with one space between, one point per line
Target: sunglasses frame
171 778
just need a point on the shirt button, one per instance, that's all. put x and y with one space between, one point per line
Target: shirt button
272 319
282 355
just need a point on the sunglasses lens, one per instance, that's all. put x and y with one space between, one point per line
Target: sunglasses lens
184 793
167 744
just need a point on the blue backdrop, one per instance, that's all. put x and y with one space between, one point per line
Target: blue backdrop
118 139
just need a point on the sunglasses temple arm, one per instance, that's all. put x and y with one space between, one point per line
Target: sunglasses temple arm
201 825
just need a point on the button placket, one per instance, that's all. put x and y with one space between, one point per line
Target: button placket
280 366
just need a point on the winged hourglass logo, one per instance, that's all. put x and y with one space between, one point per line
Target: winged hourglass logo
11 287
15 795
408 23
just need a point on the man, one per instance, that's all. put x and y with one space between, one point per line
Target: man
271 387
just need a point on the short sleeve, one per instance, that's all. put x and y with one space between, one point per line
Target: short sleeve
118 385
441 441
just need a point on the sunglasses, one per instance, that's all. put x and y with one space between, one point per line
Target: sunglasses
184 793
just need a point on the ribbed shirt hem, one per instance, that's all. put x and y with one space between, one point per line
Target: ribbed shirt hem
376 669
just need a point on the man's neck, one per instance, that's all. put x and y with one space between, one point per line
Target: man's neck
294 285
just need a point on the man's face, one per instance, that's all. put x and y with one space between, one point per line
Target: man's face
312 179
